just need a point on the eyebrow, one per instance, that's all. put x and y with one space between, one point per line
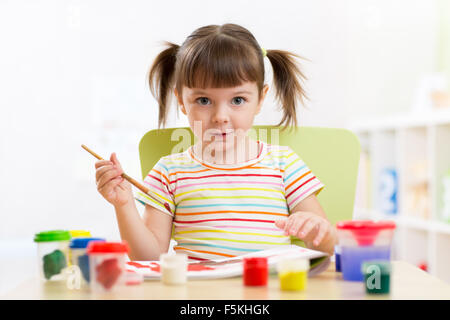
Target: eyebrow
238 92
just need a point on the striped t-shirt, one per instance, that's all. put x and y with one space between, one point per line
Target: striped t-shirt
227 210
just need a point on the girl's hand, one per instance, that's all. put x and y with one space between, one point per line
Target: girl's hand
307 226
110 184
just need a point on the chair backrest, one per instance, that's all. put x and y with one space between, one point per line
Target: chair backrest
331 154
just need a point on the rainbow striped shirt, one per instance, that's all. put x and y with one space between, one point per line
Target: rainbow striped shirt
227 210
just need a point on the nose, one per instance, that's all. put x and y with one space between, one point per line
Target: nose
221 115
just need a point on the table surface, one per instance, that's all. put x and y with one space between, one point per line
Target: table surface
407 282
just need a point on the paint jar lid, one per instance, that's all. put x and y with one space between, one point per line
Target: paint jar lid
384 266
365 225
365 232
80 234
255 262
292 265
52 235
81 243
168 259
107 247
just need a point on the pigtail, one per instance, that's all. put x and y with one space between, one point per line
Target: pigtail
161 77
287 81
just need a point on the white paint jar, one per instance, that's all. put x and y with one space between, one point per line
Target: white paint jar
173 268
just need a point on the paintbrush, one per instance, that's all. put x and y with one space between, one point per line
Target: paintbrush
129 179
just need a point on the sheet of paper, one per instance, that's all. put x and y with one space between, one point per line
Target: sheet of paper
226 268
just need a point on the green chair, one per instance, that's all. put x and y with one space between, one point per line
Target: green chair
331 154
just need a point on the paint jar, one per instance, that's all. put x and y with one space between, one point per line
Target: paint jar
256 271
53 250
362 241
80 234
337 258
79 257
293 274
106 265
173 268
77 234
377 276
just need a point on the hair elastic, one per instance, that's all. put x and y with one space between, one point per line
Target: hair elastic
264 52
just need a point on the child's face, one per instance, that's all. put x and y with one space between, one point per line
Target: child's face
214 111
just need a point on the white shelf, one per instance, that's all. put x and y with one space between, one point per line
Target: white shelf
405 221
401 121
417 148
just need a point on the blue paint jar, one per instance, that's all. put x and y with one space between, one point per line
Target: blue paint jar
361 241
354 257
78 254
337 258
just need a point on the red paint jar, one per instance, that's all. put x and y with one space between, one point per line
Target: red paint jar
256 271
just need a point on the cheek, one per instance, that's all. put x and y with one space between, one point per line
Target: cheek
244 121
198 122
197 114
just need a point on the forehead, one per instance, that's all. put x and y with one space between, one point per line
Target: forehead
244 88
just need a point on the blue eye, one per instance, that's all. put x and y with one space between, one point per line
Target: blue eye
202 101
240 100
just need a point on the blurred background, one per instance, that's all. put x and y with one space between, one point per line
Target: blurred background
74 72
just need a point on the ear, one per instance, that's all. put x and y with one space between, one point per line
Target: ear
180 101
265 89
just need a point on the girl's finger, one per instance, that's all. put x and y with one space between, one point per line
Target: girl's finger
289 223
306 229
321 234
102 170
299 222
110 186
280 223
108 176
102 163
115 160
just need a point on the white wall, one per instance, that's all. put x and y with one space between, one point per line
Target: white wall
391 46
74 72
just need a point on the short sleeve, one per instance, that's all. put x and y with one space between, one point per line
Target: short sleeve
299 181
158 183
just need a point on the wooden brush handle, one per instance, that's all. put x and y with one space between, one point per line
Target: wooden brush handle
135 183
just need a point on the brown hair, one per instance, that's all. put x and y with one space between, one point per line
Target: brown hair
220 57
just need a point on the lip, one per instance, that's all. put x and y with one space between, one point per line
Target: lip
222 135
226 133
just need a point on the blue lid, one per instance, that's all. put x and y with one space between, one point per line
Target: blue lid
81 243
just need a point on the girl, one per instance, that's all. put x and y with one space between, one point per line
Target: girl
228 194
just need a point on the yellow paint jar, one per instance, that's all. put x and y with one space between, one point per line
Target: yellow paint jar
77 234
293 274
